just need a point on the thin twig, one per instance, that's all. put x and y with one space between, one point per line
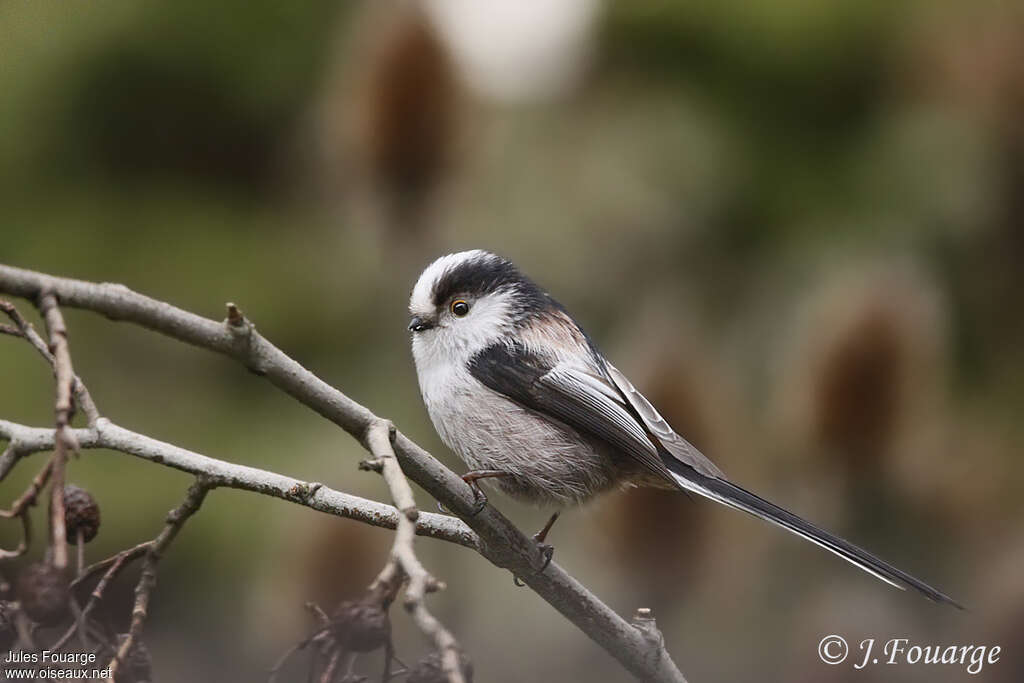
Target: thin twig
20 508
64 408
80 547
58 530
8 459
63 368
331 668
27 331
113 566
28 498
107 435
119 559
26 540
403 558
144 589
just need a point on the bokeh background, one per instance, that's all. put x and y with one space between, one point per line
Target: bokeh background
796 225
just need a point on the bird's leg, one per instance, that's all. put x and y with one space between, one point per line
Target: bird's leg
542 535
472 477
480 498
547 550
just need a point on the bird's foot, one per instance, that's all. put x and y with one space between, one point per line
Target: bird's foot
547 551
479 498
472 479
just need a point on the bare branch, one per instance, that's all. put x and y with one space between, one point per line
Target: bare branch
403 558
332 666
20 508
113 566
107 435
26 540
58 530
118 560
64 409
500 541
25 330
144 589
8 459
28 498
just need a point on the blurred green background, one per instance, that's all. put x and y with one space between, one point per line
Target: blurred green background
796 225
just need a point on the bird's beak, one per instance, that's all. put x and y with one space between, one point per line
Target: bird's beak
418 324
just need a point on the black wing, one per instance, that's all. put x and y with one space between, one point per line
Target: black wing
570 392
606 406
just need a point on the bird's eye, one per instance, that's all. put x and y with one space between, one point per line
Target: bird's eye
460 308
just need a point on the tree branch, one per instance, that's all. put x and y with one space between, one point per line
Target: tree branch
64 409
403 559
144 589
58 355
229 475
24 329
499 540
20 508
113 566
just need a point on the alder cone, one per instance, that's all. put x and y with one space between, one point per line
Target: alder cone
361 626
81 514
43 593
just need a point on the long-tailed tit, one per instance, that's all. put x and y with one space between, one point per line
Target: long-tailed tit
522 395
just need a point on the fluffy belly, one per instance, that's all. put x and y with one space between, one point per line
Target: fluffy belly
548 463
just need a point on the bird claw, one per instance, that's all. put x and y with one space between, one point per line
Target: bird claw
479 501
479 497
547 551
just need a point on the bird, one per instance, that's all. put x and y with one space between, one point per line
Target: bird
522 395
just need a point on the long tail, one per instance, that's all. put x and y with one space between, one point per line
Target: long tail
734 496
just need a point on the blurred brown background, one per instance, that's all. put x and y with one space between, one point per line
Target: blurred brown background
796 225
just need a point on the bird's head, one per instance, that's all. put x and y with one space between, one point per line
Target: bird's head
465 302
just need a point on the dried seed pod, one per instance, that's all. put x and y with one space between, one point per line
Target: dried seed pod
81 513
43 593
412 114
138 666
429 670
362 626
861 386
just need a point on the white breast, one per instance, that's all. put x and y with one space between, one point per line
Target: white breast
548 461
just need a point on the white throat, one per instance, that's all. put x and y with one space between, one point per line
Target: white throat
454 341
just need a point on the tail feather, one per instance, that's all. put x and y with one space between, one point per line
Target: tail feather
739 498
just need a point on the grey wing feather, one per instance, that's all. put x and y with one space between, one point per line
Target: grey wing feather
607 411
573 392
676 445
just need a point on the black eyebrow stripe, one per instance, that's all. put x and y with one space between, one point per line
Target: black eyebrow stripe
475 277
487 274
